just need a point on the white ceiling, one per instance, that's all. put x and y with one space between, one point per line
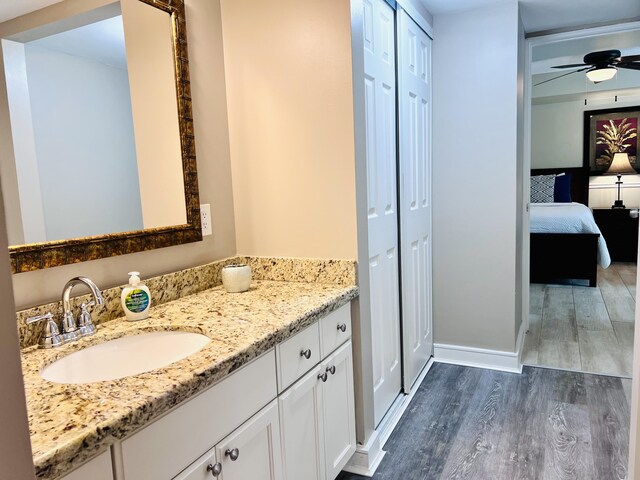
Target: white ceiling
573 51
537 15
14 8
543 15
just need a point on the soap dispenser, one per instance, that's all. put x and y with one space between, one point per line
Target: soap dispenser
135 298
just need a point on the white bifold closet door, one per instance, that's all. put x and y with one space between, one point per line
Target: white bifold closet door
414 121
380 99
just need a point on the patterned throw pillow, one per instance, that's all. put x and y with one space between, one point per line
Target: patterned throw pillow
542 188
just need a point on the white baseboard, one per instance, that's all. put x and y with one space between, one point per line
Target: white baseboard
478 357
368 457
394 414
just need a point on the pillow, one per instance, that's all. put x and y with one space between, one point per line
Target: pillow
542 188
562 188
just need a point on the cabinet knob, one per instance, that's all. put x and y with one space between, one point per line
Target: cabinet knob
342 327
323 376
331 369
232 454
215 469
306 353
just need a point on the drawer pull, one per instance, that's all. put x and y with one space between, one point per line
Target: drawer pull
306 353
332 369
232 454
215 469
323 376
342 327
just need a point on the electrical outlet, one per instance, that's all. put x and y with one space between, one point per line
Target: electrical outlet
205 219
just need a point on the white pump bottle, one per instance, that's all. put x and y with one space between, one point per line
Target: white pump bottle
135 298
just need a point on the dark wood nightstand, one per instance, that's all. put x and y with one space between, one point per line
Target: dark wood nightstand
620 231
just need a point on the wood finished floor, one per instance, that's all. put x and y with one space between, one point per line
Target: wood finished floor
471 423
582 328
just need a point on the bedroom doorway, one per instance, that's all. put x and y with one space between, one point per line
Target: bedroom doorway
582 293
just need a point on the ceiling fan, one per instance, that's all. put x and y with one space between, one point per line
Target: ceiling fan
601 66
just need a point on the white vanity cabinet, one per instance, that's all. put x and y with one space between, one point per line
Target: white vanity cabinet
338 411
163 449
317 413
288 415
250 452
98 468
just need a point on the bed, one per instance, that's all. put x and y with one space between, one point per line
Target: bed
566 243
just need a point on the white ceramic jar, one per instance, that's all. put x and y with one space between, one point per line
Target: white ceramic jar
236 278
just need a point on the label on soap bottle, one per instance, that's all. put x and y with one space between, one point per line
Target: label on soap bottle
137 300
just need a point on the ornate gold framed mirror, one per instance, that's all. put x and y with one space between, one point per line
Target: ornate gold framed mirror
163 173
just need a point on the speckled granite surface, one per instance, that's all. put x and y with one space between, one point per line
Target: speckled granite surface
71 423
169 287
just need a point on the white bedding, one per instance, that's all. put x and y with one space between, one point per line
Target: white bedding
567 218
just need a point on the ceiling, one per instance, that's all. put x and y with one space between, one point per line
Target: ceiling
12 8
543 15
573 51
537 15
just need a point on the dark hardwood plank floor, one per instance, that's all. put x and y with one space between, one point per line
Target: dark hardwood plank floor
470 423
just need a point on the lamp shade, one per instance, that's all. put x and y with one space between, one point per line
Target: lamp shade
620 165
601 74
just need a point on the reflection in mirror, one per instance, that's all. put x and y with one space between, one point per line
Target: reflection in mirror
96 151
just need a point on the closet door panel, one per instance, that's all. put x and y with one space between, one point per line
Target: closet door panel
414 109
380 100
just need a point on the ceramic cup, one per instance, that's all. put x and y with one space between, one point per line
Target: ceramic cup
236 278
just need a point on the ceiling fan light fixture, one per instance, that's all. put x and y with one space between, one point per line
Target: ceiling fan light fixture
601 74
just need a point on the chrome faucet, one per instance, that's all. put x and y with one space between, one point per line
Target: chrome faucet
70 329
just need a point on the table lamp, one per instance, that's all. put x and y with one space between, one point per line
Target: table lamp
619 166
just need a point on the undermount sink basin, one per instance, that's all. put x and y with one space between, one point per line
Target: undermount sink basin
123 357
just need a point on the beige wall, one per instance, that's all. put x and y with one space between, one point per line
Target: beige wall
15 446
214 170
475 155
288 70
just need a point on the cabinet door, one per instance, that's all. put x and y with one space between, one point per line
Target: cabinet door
338 411
253 451
204 468
301 428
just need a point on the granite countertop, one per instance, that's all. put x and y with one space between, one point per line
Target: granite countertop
71 423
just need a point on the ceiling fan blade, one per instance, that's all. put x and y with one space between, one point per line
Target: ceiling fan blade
563 75
629 58
572 65
630 66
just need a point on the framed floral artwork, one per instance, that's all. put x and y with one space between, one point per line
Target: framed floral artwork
610 131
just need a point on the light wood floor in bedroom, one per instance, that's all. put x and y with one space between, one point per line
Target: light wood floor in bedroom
582 328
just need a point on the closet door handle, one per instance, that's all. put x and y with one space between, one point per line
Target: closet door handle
342 327
323 376
306 353
332 369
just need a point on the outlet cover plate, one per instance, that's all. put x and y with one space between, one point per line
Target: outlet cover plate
205 219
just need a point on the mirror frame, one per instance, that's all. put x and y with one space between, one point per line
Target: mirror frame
35 256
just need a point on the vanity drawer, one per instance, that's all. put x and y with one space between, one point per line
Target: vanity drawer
335 329
291 355
98 468
164 448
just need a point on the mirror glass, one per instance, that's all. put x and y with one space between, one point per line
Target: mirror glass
94 122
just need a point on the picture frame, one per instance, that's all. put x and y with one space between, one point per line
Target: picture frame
609 131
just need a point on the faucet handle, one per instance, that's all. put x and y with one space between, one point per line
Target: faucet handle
51 337
37 318
85 324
